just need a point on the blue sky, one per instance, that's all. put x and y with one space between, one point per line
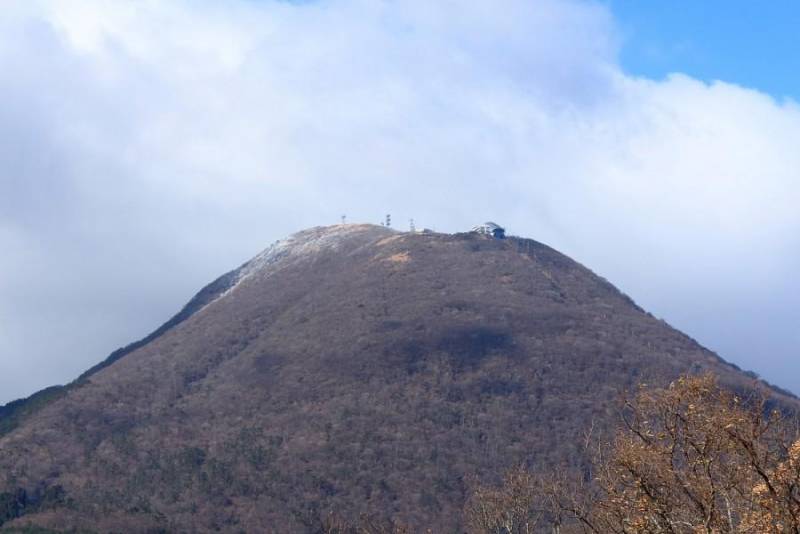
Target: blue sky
747 42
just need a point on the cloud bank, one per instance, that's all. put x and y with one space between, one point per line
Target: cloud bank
147 147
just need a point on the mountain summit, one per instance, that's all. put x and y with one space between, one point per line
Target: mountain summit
350 368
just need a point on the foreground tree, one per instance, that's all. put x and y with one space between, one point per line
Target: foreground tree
515 507
335 524
689 458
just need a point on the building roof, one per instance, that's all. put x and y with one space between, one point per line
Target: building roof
488 227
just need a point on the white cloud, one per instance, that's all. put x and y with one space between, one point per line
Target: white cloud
149 146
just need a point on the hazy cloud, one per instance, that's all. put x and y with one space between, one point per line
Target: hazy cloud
147 147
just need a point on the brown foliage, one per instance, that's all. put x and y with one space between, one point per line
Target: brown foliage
689 458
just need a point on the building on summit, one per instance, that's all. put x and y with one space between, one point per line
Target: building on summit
490 229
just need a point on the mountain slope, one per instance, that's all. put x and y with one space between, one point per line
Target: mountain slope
348 368
14 412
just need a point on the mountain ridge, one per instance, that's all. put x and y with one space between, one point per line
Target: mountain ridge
11 412
370 340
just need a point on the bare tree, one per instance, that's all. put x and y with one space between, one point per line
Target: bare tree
690 458
512 508
366 524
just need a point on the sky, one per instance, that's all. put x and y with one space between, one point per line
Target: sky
147 147
748 43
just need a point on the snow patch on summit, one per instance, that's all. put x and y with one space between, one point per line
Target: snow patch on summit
297 247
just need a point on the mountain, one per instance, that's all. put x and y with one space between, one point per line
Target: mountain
349 368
